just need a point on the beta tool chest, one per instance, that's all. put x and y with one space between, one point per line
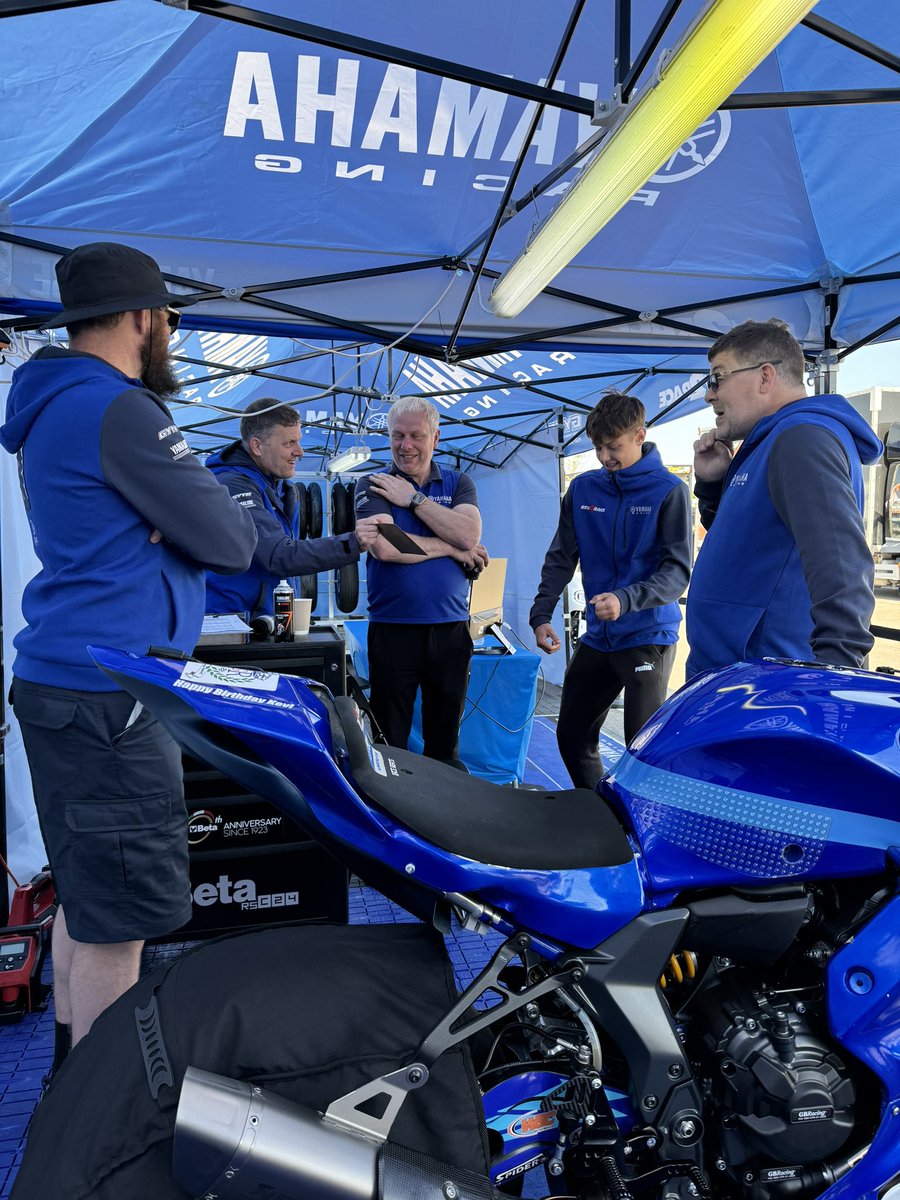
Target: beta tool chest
251 865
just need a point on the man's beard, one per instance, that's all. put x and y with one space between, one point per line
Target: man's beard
157 372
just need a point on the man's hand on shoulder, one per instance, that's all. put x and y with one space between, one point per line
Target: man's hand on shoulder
546 639
393 488
712 458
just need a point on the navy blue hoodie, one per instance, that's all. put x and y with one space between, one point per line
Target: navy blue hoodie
631 531
785 570
102 465
280 553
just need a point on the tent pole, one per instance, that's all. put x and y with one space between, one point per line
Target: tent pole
378 50
827 361
536 116
623 40
560 452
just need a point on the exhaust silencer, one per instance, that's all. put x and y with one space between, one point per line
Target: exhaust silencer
236 1141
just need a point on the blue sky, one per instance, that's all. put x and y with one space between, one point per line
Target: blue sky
870 367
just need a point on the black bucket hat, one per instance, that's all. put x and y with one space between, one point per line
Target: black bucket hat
107 277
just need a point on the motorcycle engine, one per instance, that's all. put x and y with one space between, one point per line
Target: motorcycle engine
780 1095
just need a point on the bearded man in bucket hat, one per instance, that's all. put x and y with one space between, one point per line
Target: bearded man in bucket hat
125 522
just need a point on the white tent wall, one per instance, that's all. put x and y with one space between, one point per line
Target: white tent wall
25 848
520 511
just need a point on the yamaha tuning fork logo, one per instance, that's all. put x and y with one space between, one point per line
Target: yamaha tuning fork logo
698 152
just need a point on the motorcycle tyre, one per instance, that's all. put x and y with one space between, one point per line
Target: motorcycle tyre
314 523
346 583
302 509
309 589
341 521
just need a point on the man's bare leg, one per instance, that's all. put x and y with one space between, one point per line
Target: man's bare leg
61 948
98 975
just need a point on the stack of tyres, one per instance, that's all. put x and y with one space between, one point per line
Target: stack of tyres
346 579
309 500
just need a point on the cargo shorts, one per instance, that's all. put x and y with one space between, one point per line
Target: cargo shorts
109 794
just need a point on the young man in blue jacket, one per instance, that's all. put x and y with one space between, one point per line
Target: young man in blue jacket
629 526
257 470
125 521
785 570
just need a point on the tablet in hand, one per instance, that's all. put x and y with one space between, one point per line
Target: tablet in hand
400 540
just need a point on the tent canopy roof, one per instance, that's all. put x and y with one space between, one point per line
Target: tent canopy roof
347 178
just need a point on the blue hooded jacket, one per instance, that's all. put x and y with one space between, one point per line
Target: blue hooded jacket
630 530
785 570
102 466
280 552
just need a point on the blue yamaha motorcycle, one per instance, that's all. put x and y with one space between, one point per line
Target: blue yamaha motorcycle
697 991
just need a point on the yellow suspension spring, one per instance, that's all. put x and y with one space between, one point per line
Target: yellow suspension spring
680 967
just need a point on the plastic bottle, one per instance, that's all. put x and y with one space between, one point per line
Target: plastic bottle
283 604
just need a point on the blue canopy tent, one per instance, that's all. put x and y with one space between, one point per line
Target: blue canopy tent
364 175
489 406
349 174
357 179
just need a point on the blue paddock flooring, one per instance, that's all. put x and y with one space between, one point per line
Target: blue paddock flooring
26 1047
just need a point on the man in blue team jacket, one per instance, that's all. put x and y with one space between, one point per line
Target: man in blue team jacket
785 570
257 470
628 524
125 521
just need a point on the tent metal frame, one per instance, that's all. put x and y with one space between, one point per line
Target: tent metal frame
629 70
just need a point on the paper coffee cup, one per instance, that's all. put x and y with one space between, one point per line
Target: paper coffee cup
302 613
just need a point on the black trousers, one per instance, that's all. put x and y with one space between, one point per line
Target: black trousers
435 659
593 680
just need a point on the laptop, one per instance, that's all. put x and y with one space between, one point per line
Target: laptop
486 598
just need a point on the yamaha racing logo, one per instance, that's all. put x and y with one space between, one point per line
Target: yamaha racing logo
352 118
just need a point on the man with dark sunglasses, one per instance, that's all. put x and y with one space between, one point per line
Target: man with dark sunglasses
125 522
785 570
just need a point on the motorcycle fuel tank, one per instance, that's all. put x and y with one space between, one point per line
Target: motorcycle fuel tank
765 771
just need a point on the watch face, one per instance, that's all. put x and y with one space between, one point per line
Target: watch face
418 498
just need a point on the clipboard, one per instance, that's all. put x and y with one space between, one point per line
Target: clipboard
400 540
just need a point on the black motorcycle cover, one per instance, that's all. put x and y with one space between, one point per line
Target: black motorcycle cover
308 1012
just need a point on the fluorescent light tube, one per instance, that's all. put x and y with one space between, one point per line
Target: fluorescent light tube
348 460
723 46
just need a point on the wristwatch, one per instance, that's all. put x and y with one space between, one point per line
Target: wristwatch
417 499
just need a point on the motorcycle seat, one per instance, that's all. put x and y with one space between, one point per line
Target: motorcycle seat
487 822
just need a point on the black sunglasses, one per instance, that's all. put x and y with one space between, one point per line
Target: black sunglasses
173 318
714 379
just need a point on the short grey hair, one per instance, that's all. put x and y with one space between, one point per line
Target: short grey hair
414 404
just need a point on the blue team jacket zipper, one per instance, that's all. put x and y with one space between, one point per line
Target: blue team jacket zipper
615 563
